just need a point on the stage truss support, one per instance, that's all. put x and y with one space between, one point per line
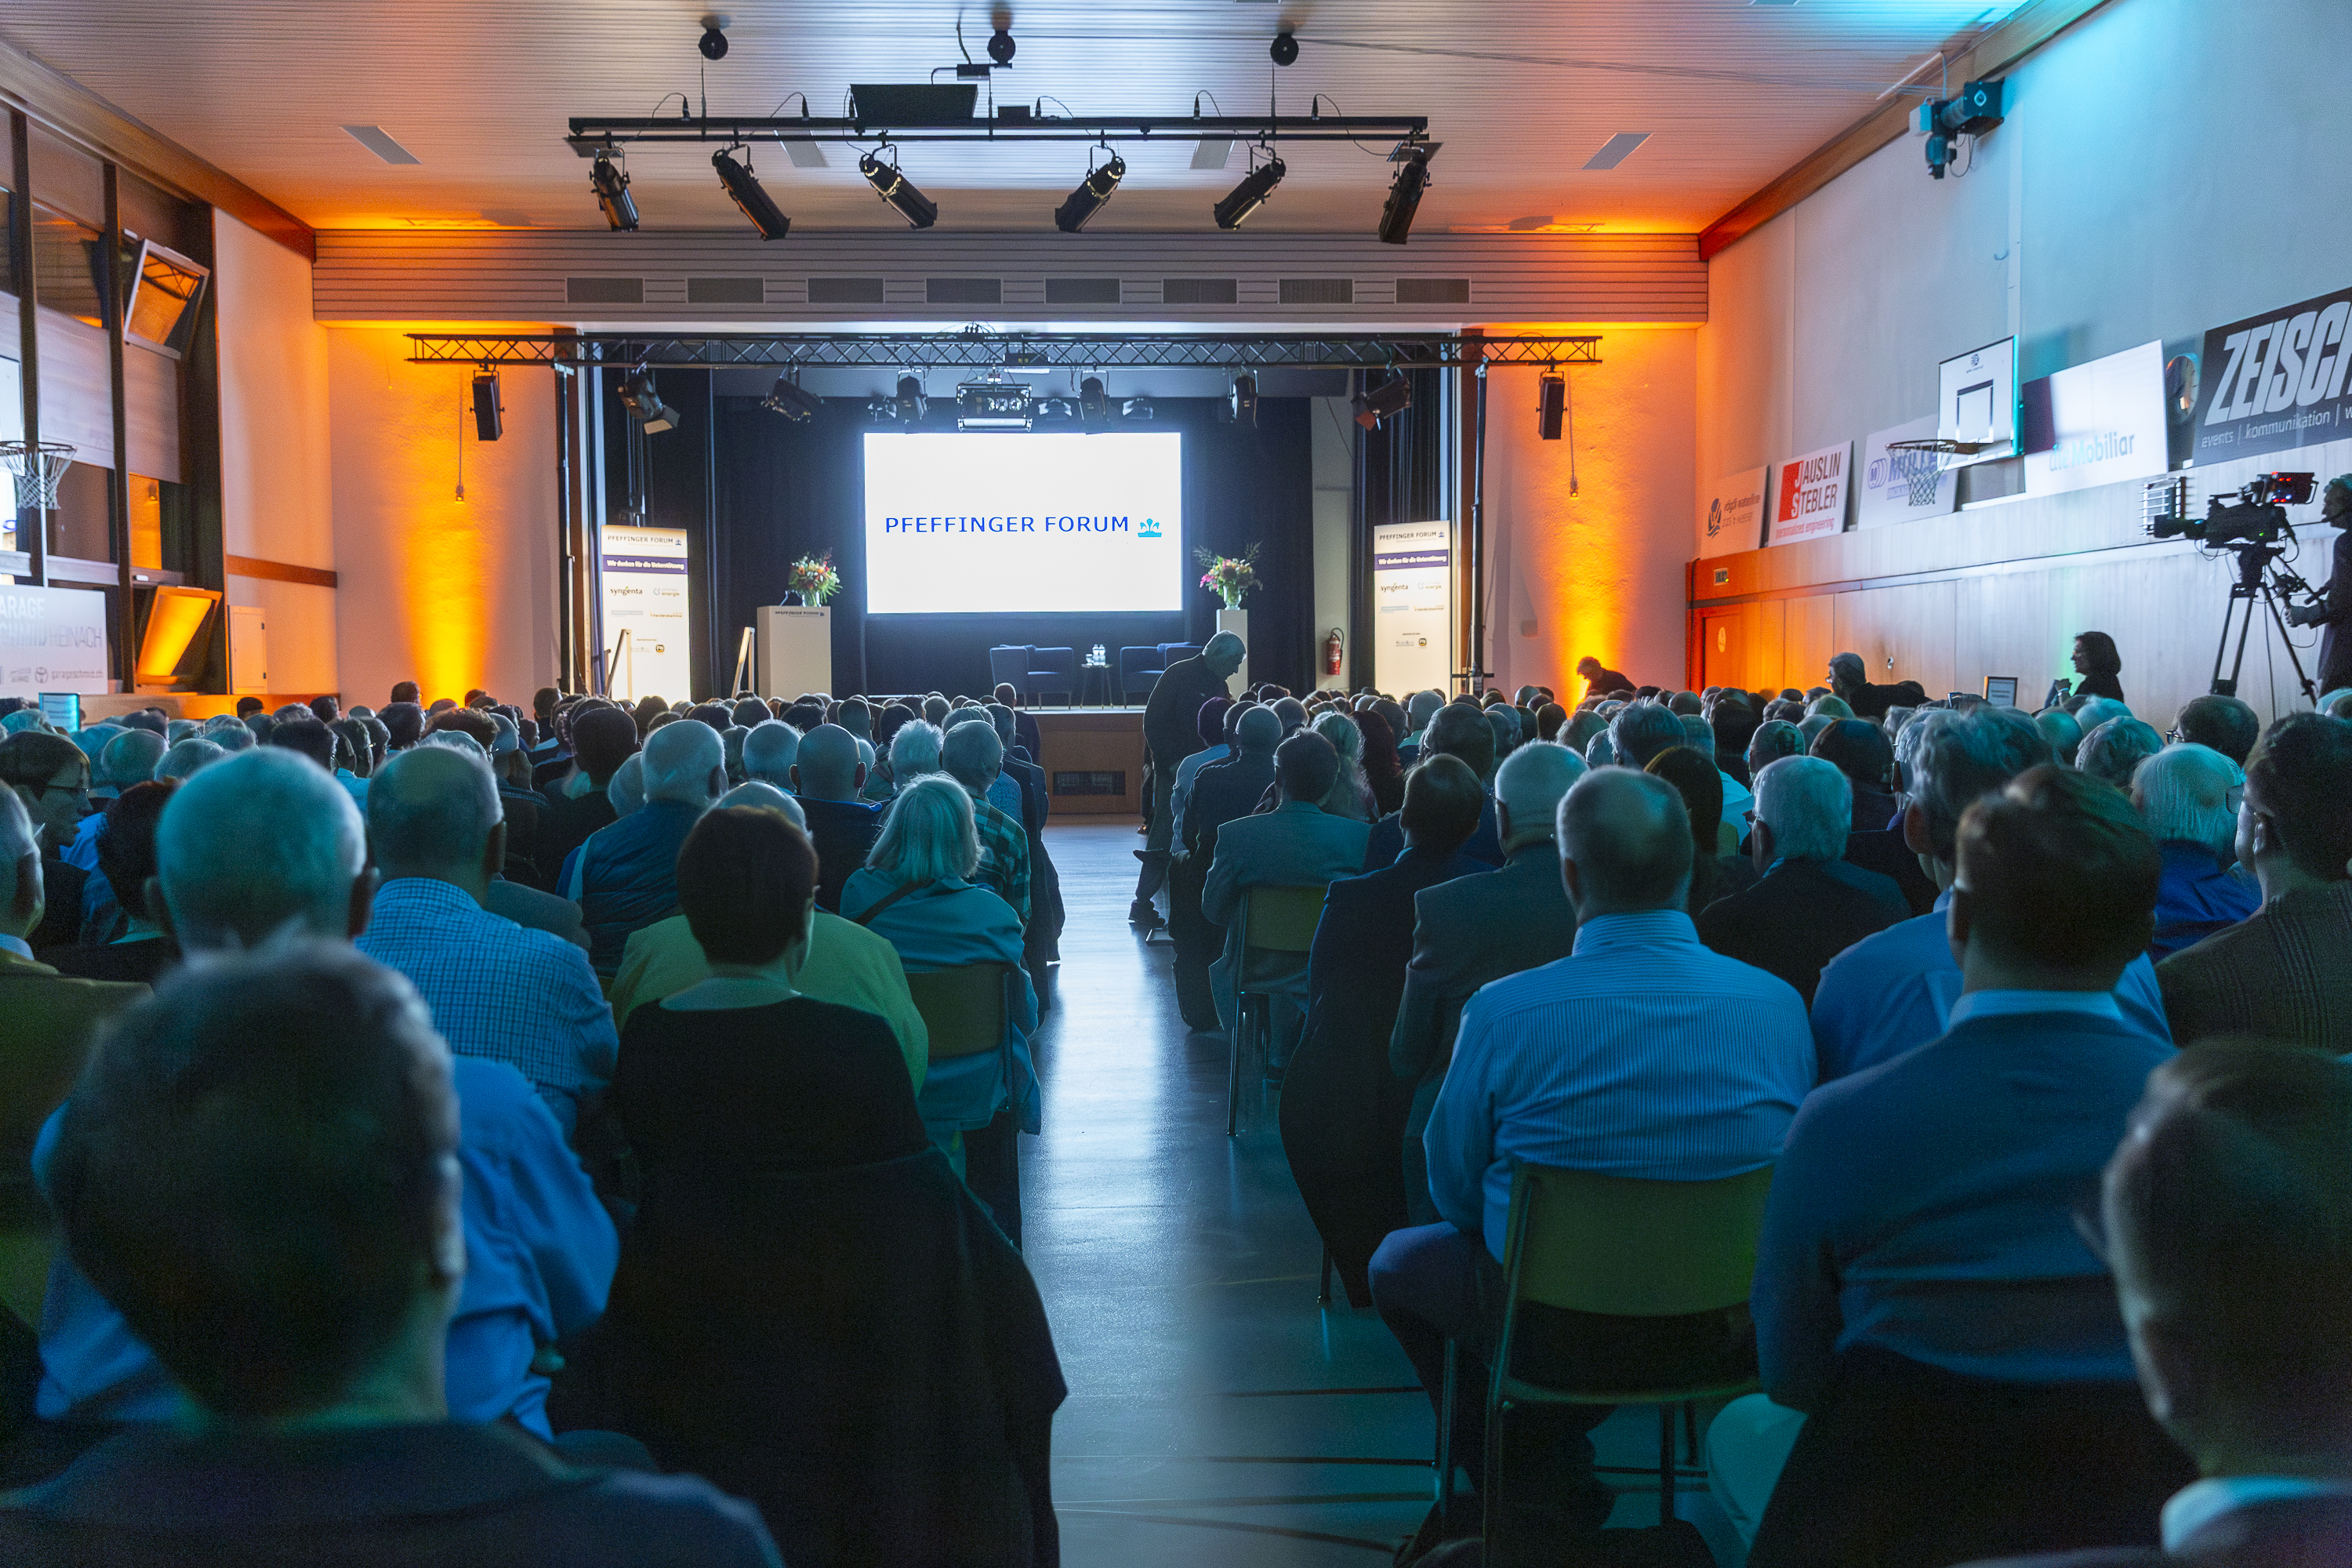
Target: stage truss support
980 351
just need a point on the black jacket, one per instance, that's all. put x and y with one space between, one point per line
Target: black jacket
841 832
1799 916
1886 853
1171 718
2336 639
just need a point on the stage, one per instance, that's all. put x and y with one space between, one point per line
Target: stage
1093 760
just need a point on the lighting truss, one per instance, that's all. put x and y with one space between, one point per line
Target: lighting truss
591 134
982 351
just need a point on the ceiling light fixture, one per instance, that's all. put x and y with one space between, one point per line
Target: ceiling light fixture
1093 191
714 38
787 398
645 405
1389 398
611 184
1412 159
1001 47
751 197
1093 401
910 403
488 424
1243 403
918 209
1285 48
1245 198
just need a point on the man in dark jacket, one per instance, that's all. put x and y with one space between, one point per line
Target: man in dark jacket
827 774
1600 680
1811 905
602 739
2336 642
1850 678
1169 721
1220 792
1459 730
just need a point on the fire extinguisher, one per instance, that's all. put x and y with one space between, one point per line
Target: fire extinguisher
1332 645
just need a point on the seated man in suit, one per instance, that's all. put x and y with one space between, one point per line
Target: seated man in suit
827 774
1220 793
1641 1055
1342 1109
1921 1289
1811 905
2285 972
2227 1215
1894 992
2186 794
1458 730
1860 750
300 1290
1297 843
1850 680
1169 719
1480 928
603 738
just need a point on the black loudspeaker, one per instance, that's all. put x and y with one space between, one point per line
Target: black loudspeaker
487 425
1551 397
1094 402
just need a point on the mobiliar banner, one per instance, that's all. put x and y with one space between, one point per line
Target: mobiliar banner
2274 382
1809 499
1413 606
2107 424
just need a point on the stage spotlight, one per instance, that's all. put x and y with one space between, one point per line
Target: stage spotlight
1093 401
1285 48
1136 408
488 424
910 402
1001 47
1249 195
644 403
612 187
1244 401
918 209
749 196
1389 398
787 398
714 38
1412 159
1092 193
1551 400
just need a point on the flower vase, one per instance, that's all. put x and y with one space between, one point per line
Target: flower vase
1236 621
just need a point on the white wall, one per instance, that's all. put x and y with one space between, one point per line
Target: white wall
2166 166
276 487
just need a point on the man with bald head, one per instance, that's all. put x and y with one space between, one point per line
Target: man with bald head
626 875
497 990
1640 1055
827 774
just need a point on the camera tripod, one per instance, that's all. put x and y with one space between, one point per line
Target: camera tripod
2261 581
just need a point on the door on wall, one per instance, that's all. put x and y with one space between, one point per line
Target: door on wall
1723 647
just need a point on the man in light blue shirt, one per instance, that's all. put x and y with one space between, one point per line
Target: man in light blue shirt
1894 992
1642 1054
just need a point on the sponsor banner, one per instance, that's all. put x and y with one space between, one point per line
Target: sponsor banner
644 581
2107 420
1883 491
1809 497
2274 382
1731 517
1413 606
53 639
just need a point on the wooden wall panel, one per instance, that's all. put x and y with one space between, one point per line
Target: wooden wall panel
150 402
76 401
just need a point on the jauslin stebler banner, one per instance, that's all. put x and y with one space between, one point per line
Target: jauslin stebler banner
2276 382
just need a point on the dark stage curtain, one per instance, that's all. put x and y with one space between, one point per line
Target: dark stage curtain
1398 465
784 490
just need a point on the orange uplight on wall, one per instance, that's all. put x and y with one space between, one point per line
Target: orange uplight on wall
444 581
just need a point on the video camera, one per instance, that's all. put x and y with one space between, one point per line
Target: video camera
2257 516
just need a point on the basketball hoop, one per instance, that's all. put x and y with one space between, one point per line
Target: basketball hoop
1924 463
38 467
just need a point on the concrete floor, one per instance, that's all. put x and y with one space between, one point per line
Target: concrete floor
1216 1414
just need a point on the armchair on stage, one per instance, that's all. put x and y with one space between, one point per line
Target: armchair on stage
1139 669
1033 671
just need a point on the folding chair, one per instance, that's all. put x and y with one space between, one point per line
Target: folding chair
1277 929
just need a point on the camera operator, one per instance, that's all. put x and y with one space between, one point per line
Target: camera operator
2336 641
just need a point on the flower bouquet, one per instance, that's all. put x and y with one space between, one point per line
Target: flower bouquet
814 578
1229 576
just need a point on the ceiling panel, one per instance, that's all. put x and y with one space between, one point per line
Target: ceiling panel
1521 92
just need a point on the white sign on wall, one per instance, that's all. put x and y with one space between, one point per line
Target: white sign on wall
1883 487
1413 606
1731 517
2108 417
644 580
1809 495
52 639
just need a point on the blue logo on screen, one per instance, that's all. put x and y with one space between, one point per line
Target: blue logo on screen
1151 528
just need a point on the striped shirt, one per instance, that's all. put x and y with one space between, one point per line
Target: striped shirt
1641 1054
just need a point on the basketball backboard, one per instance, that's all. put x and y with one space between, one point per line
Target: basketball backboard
1976 401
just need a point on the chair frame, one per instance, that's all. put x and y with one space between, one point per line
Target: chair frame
1254 1010
1506 1391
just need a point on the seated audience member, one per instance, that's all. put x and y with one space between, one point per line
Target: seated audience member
251 850
1921 1291
1600 680
1384 775
496 990
1549 718
2224 1217
1456 729
1773 740
769 749
1699 781
1024 726
624 877
2184 795
49 774
1476 929
1503 720
1887 850
2286 971
2100 665
914 751
827 776
126 858
1297 843
2224 724
2114 751
1732 723
1351 793
1861 751
1641 730
916 891
1212 724
974 758
1894 992
1343 1111
2066 736
182 758
1850 680
130 757
300 1289
1222 793
1419 708
1641 1054
1828 705
1811 905
1698 738
2093 711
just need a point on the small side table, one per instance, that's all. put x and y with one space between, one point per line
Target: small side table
1097 685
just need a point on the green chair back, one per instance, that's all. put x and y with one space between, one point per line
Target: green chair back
963 1008
1633 1248
1283 919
